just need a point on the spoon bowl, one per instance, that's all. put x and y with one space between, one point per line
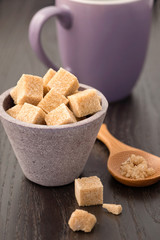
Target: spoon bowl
120 152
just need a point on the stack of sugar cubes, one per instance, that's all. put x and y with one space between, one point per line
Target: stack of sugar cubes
53 99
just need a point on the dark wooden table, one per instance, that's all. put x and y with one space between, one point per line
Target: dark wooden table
31 212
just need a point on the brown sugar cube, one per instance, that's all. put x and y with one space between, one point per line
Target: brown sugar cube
84 103
13 94
77 91
113 208
59 116
47 77
31 114
82 220
89 191
52 100
13 112
64 82
29 89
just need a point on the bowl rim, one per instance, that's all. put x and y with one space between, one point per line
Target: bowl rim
7 117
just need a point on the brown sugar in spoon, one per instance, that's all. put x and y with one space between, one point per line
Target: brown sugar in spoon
120 152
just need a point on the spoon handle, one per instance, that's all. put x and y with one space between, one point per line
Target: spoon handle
113 144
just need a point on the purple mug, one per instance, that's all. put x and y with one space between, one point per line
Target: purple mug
103 42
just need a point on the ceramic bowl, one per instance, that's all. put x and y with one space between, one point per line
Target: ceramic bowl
51 155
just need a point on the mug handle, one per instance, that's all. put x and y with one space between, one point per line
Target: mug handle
63 15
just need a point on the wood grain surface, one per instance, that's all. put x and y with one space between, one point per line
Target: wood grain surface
31 212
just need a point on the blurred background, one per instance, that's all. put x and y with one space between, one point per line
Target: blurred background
16 55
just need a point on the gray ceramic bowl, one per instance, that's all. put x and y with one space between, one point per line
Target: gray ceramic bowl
51 155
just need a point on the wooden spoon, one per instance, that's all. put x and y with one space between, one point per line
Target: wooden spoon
120 152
